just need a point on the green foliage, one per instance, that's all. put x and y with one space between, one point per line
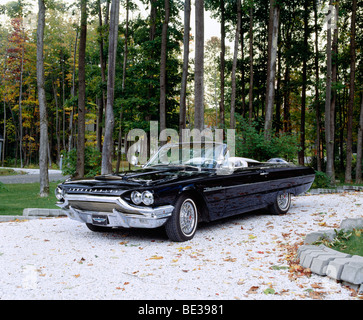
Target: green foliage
92 166
321 180
251 143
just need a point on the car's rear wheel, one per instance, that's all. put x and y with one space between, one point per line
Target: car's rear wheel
282 203
182 225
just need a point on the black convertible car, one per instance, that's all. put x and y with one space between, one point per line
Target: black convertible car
181 185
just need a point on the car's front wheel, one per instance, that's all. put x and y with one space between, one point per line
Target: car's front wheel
282 203
182 225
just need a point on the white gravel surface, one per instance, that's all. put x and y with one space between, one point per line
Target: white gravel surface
242 257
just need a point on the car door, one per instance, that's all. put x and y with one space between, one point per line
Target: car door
245 190
213 191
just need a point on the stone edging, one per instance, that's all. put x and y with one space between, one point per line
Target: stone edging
34 213
325 261
339 189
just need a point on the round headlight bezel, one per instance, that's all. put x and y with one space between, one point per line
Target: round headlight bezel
59 193
136 197
147 198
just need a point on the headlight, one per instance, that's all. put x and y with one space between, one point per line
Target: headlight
59 193
147 198
136 197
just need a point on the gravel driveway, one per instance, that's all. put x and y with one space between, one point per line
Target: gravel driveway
238 258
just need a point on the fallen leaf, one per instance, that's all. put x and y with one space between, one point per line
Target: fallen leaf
253 290
184 248
317 286
156 258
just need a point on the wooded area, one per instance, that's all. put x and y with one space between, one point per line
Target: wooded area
78 76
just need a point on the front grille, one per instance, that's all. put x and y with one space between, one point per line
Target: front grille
92 206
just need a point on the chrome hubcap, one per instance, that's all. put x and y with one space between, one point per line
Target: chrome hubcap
283 201
188 216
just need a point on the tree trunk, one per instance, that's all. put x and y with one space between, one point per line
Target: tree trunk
82 92
119 145
317 103
183 91
348 167
163 58
334 67
234 66
103 77
199 66
250 94
271 65
43 141
107 150
70 128
20 107
223 53
358 169
301 154
328 139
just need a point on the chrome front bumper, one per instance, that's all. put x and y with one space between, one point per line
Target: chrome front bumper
123 214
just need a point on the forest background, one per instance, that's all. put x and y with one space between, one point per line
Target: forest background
286 75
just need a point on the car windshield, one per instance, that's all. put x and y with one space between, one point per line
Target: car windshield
204 155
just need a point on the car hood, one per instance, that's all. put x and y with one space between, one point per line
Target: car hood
144 177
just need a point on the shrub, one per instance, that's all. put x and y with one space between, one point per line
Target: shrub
251 143
321 180
92 162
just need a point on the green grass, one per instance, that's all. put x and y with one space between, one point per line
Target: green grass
350 242
16 197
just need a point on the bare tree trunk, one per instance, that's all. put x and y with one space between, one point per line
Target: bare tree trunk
183 91
328 139
56 119
43 141
20 107
271 66
223 53
103 77
348 167
234 66
301 154
199 66
358 169
317 105
119 142
4 135
334 67
70 129
82 92
250 95
163 58
107 150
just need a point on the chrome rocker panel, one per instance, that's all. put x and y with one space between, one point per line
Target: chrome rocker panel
123 215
